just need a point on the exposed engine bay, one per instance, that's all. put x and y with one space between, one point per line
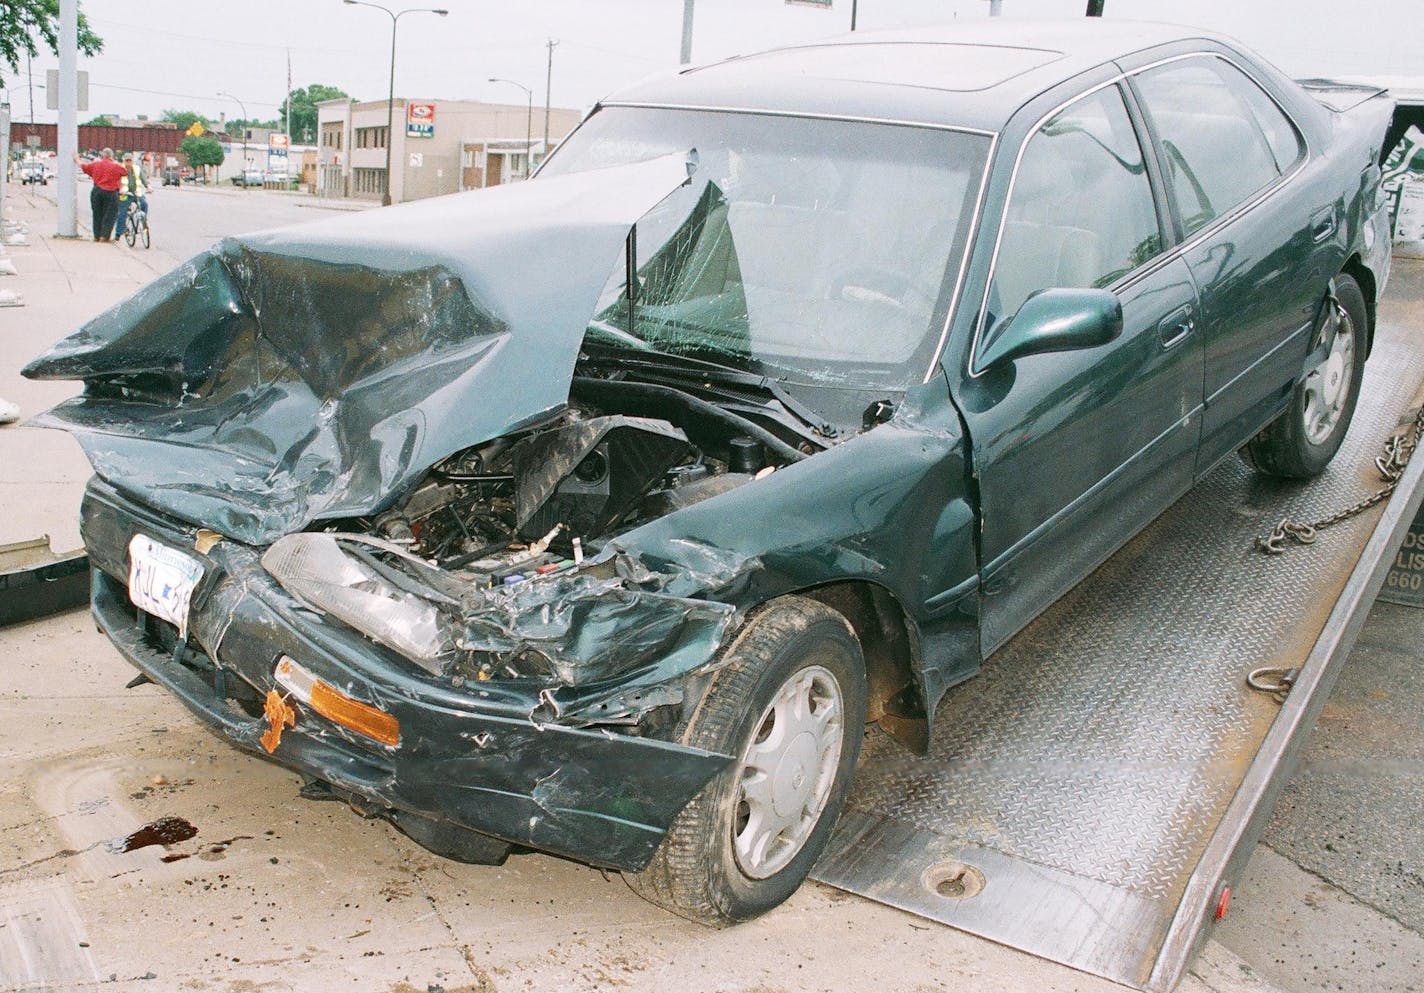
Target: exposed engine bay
506 510
479 572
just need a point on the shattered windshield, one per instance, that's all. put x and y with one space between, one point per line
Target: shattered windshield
817 251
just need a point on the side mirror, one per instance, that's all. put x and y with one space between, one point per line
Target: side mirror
1055 320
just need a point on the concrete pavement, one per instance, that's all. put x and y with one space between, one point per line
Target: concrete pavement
276 893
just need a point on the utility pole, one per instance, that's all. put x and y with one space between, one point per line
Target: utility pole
687 30
68 143
287 104
853 5
548 85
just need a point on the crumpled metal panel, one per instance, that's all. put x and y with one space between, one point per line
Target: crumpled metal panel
590 629
311 372
1087 769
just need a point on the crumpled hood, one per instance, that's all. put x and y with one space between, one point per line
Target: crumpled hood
311 372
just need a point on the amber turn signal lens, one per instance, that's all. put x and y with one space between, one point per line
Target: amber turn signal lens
359 717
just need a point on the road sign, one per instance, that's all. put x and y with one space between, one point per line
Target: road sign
195 130
420 120
52 90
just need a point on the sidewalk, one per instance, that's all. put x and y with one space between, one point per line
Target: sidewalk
64 283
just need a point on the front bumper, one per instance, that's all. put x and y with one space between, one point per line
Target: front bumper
476 758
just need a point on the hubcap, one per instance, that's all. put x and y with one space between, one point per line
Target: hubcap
786 772
1327 387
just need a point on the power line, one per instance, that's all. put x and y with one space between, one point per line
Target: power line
168 93
529 42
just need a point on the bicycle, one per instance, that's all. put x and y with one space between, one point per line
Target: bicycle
136 223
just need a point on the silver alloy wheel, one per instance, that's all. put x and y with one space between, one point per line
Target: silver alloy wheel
1327 387
786 772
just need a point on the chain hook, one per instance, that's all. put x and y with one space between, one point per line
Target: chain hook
1272 679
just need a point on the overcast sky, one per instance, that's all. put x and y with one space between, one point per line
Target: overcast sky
179 53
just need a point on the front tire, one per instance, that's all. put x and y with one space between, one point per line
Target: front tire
1301 442
790 704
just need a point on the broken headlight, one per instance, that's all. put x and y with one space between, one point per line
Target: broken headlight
368 584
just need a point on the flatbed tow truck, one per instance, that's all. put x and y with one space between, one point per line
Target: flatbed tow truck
1095 794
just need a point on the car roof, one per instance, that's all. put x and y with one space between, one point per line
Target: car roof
971 74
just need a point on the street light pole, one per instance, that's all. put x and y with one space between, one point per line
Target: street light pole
395 17
528 122
245 121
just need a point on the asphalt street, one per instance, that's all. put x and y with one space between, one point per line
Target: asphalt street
188 219
278 893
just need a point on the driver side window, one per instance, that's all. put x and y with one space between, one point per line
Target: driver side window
1081 213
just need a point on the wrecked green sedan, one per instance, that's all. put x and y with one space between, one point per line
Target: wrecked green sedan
599 514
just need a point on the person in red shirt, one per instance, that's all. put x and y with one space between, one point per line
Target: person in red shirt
104 197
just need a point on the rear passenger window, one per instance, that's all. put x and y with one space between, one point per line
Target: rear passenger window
1213 124
1281 134
1081 213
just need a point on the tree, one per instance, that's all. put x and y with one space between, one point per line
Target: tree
303 102
201 150
24 24
184 118
99 122
236 125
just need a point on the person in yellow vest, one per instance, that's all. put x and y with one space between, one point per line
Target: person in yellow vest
133 183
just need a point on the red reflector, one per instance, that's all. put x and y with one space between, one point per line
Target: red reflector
1223 903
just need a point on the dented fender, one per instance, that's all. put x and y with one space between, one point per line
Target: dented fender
892 507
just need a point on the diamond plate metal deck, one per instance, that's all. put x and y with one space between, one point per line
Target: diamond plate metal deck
1088 769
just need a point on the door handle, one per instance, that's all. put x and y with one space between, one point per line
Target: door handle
1176 327
1322 225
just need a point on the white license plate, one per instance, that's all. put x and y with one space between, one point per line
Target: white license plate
162 580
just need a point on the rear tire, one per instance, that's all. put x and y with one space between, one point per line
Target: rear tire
790 704
1301 442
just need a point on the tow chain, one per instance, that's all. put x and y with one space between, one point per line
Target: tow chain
1397 451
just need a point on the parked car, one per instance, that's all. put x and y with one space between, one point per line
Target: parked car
33 172
904 336
172 177
248 177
